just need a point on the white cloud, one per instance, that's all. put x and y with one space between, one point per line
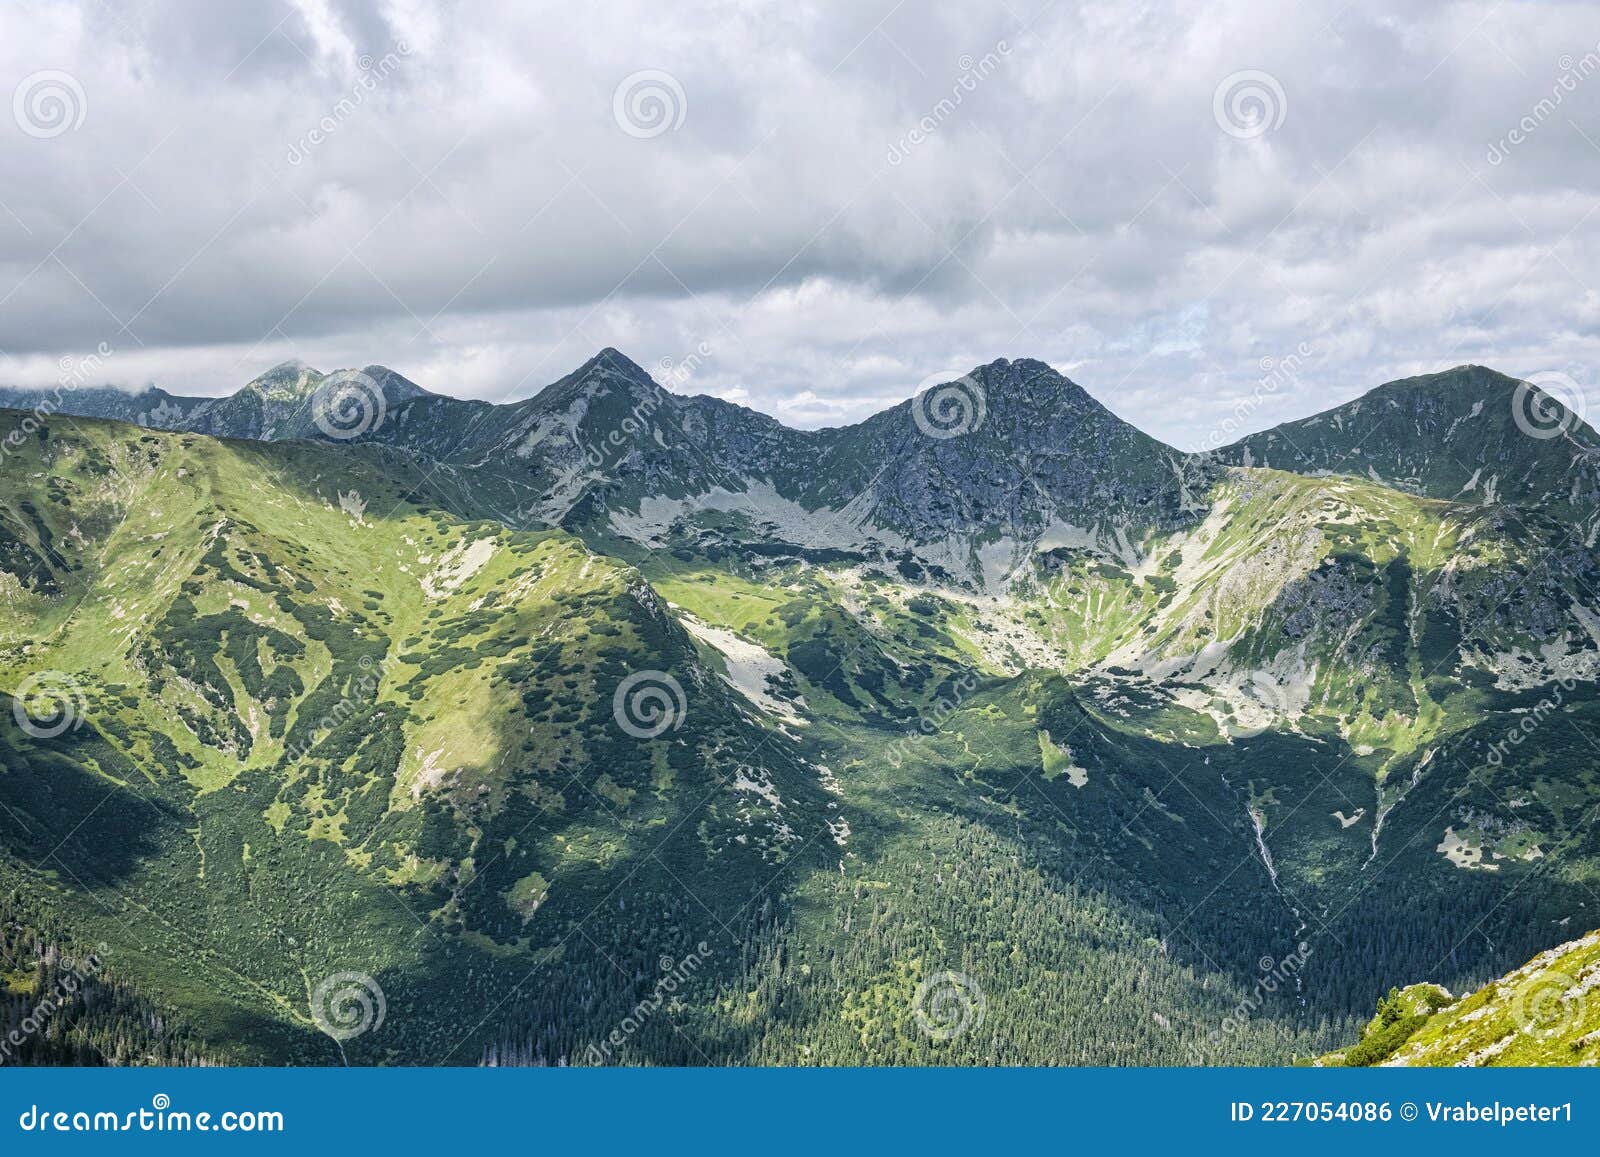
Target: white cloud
478 220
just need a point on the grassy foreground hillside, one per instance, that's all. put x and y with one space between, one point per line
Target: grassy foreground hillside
1545 1013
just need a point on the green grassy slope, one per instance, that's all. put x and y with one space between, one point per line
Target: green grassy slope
1544 1013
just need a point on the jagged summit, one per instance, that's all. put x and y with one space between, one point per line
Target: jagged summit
1468 434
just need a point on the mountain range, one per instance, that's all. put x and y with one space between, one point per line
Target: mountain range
986 730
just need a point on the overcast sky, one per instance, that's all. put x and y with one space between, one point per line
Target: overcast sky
809 208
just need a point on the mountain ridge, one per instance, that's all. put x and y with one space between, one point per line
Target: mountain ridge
18 397
968 482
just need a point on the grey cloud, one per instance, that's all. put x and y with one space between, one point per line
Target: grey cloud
477 219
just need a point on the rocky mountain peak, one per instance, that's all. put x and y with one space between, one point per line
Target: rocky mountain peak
289 379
